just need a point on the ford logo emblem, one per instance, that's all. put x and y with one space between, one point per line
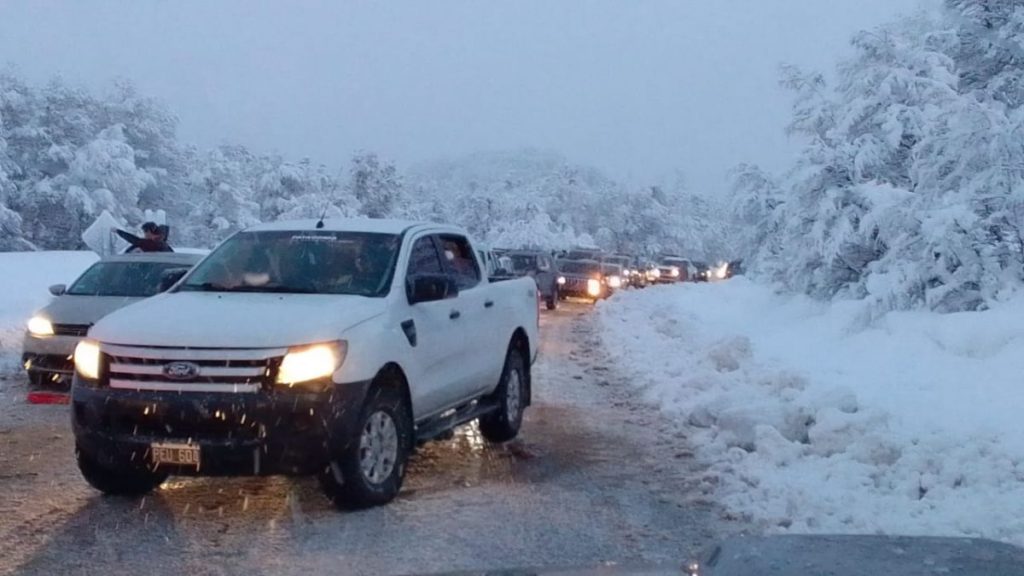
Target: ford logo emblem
181 370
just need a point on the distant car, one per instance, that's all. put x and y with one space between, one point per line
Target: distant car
627 270
613 276
702 272
109 284
734 268
583 279
673 269
542 268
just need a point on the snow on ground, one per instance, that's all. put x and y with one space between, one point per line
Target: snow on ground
25 278
823 418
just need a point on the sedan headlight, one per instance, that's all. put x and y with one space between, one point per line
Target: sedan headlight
307 363
614 281
593 287
39 326
561 280
87 359
674 272
655 273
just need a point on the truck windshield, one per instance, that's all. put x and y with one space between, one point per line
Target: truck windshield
126 279
571 267
300 262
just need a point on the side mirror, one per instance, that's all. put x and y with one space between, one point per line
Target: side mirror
430 288
170 277
58 289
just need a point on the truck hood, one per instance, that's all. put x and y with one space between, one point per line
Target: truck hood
84 310
235 320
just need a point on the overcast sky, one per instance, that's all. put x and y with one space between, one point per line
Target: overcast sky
638 88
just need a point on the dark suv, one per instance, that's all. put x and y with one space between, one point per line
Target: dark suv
542 268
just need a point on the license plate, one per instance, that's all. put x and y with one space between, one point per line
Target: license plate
175 454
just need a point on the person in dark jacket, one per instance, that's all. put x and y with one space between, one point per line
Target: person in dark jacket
153 240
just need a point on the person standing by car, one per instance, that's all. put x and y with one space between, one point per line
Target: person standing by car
153 239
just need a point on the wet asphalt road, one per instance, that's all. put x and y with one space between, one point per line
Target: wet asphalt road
594 477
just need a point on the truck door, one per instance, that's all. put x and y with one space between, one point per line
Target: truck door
437 371
478 324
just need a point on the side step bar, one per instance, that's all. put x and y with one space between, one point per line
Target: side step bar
440 425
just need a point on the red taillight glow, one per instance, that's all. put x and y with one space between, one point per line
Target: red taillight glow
47 398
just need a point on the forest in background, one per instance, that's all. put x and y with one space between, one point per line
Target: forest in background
909 190
67 154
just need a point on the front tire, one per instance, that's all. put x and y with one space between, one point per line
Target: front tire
117 481
552 301
503 424
370 470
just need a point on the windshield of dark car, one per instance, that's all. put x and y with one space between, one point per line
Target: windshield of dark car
571 267
580 255
524 262
302 262
127 279
673 262
611 269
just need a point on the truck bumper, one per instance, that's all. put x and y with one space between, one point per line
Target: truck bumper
48 359
254 434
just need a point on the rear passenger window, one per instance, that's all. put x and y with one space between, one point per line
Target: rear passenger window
424 258
459 260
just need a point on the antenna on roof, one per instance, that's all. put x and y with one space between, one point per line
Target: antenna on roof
320 222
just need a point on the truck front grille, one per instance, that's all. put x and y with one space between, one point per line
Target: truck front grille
230 370
71 329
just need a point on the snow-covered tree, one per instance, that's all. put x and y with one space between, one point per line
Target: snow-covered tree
909 188
377 186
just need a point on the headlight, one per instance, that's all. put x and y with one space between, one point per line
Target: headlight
594 287
656 273
87 359
39 326
561 280
311 362
674 272
614 281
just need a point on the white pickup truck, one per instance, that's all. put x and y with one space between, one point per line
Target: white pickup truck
329 348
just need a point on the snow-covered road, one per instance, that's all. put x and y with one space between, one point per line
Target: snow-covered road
594 478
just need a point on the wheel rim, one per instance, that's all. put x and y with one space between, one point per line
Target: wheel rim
512 396
378 447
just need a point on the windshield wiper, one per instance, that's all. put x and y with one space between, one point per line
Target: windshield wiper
206 287
274 288
270 288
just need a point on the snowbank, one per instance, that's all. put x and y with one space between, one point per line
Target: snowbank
819 418
25 278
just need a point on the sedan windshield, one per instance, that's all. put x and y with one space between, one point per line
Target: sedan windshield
299 262
127 279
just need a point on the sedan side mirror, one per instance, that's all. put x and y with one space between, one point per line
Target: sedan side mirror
58 289
430 288
170 277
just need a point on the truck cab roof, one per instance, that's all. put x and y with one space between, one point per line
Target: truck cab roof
368 225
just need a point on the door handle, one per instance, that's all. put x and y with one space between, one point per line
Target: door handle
489 304
454 314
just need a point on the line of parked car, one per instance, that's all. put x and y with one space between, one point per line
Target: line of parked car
592 274
324 348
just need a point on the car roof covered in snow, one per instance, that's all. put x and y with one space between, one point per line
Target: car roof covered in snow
371 225
183 258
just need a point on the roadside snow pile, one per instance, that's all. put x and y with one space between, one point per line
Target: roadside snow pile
820 418
25 278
